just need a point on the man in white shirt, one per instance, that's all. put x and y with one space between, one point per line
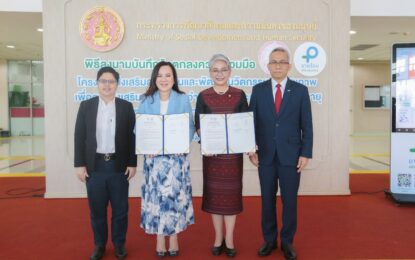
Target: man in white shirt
105 160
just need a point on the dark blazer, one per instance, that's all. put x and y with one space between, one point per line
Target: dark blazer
85 134
290 132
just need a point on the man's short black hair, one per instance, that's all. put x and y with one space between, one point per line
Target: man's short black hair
109 70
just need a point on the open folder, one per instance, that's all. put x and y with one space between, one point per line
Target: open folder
162 134
227 133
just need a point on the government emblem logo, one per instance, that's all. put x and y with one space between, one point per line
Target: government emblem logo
265 50
102 29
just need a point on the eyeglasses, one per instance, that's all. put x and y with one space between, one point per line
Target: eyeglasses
280 63
223 71
107 81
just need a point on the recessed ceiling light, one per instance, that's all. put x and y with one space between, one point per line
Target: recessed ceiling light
40 29
352 32
360 58
10 46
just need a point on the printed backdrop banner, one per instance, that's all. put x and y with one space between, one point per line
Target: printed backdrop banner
132 36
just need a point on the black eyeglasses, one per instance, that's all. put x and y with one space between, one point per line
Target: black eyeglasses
107 81
222 71
280 63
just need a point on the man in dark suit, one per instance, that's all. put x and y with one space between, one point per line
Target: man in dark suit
284 136
105 159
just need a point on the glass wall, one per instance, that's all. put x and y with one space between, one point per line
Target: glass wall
26 99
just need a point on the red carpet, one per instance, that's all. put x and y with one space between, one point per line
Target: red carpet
365 225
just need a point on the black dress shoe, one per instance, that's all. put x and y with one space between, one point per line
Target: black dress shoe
161 254
173 253
217 250
267 248
230 252
289 252
120 252
97 253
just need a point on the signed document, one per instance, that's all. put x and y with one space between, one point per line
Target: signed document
213 133
176 134
227 133
162 134
241 132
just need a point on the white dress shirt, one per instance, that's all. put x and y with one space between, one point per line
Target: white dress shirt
105 132
164 105
274 87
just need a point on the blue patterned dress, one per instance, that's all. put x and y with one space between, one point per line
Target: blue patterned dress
166 195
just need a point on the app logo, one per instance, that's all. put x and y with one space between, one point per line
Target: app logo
310 59
101 29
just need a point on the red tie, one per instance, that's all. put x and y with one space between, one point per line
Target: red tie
278 98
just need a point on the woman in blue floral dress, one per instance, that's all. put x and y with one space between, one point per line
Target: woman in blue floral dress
166 192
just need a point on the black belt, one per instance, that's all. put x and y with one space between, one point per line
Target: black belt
106 156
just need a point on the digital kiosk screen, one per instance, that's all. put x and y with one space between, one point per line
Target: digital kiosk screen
403 78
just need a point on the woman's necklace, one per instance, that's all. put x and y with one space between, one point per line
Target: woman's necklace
221 92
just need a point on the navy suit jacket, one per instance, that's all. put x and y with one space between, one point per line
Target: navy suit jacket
290 132
85 134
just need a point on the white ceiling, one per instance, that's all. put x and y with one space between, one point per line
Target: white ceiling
382 31
20 29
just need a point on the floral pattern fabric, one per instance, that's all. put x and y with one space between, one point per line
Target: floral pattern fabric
166 195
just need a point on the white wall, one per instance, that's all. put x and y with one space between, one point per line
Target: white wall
21 5
357 7
382 8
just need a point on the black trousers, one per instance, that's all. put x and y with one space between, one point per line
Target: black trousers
286 177
105 185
